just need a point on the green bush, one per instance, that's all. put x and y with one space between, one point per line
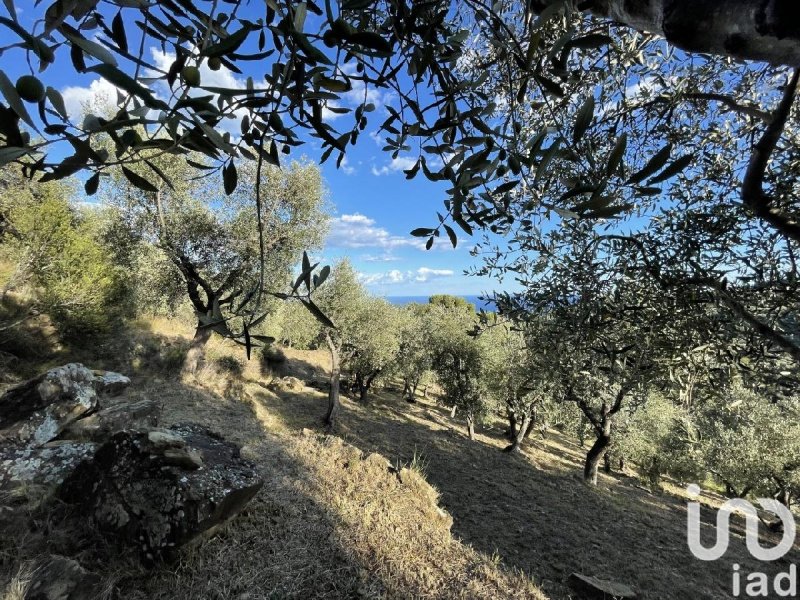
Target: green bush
79 284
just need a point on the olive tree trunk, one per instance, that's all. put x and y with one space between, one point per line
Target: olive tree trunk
520 434
512 424
470 427
594 455
196 355
333 391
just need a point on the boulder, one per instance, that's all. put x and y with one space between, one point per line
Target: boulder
45 466
60 578
110 383
37 411
160 489
51 423
99 426
592 588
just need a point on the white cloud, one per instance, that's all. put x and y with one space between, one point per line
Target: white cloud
425 274
395 276
386 257
347 168
359 231
77 99
401 163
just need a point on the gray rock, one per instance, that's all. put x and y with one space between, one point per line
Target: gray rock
161 489
100 425
47 466
35 412
60 578
110 383
592 588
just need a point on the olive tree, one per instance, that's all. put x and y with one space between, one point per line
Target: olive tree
414 354
339 299
227 253
516 377
459 362
373 343
751 444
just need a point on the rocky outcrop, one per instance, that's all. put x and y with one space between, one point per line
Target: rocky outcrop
162 488
36 411
157 489
592 588
98 426
38 416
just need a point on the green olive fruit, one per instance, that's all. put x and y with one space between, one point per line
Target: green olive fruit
29 88
191 76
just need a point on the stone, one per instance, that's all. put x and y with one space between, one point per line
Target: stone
100 425
592 588
110 383
161 489
35 412
61 578
47 466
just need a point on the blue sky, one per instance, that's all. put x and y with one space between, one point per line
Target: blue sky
375 205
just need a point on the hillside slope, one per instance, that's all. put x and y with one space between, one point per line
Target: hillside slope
357 512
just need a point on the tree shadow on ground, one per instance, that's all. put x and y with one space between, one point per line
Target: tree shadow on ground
291 541
534 509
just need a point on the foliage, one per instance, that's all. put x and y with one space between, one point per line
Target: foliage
458 84
458 361
414 356
374 342
297 326
661 438
61 252
752 444
224 253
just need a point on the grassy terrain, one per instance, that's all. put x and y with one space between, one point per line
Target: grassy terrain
358 514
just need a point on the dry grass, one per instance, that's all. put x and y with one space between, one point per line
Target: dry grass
335 521
17 588
533 510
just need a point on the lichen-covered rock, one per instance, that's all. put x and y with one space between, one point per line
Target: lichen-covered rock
35 412
61 578
100 425
110 383
39 410
49 424
45 466
160 489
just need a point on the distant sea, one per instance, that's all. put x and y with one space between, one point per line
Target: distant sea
400 300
